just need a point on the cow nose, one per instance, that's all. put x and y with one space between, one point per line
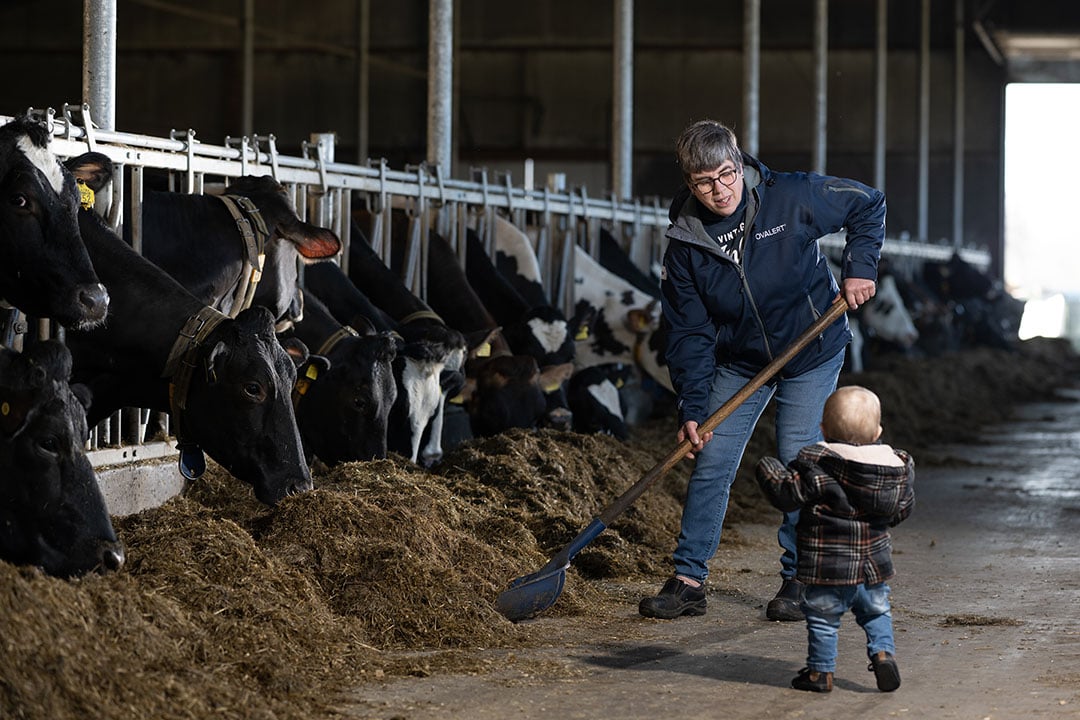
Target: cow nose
560 419
94 301
300 487
112 557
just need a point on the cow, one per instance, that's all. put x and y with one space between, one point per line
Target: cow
345 390
212 245
226 382
45 270
627 320
537 329
430 357
52 513
884 322
984 313
595 401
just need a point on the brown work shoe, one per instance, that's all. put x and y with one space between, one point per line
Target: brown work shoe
883 665
813 681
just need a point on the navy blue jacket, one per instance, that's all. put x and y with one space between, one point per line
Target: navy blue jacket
721 312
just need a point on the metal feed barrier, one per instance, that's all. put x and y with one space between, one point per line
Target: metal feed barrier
325 192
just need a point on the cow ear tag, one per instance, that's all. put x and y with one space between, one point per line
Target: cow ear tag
86 195
483 350
551 387
582 333
192 462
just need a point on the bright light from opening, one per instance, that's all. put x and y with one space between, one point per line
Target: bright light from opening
1043 318
1042 237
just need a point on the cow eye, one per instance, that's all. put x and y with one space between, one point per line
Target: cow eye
49 445
20 201
253 390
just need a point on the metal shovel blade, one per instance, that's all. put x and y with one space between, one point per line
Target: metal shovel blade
531 594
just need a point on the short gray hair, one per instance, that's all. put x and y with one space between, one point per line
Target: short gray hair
704 145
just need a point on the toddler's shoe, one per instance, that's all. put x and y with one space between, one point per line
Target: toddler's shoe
813 681
883 665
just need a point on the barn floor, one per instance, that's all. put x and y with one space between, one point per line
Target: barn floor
986 612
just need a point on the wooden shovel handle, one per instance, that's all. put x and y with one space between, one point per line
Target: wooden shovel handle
625 500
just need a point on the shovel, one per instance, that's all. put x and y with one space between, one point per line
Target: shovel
531 594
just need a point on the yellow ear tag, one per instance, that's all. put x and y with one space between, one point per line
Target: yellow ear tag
582 333
302 385
5 409
483 350
312 372
619 383
552 387
457 400
86 195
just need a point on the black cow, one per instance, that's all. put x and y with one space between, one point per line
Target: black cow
52 513
159 338
195 238
984 314
345 390
428 365
44 269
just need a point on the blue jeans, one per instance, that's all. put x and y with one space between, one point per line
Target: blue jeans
799 403
824 605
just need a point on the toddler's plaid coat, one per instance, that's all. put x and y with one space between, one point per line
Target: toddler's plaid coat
846 508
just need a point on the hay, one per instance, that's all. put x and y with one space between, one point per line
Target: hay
229 609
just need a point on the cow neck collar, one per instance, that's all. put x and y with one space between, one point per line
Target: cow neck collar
178 369
331 342
422 315
253 231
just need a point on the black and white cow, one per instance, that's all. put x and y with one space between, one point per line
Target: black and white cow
595 399
52 513
227 383
44 271
626 320
345 390
536 328
197 240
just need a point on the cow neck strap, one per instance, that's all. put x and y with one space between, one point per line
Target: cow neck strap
249 222
421 315
181 362
331 342
178 369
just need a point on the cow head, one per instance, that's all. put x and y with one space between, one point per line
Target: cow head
52 513
45 270
886 317
239 406
343 414
503 392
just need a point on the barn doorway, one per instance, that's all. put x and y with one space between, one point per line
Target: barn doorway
1042 236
